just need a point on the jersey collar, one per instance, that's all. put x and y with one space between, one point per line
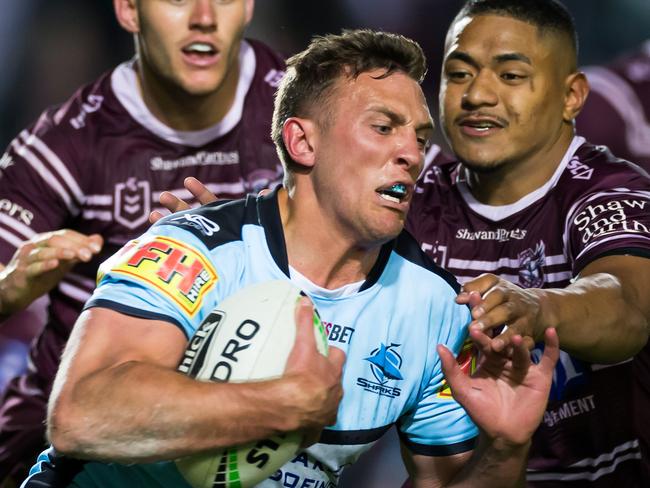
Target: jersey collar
500 212
268 212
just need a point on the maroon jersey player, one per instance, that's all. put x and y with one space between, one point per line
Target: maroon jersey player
617 112
550 230
594 205
197 100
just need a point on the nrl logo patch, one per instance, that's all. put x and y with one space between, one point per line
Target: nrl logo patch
132 203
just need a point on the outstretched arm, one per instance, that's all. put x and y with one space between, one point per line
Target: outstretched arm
505 398
603 316
117 395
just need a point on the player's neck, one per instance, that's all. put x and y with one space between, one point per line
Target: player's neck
182 111
317 250
514 180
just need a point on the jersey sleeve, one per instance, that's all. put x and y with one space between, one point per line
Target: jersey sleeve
166 274
437 425
615 221
39 189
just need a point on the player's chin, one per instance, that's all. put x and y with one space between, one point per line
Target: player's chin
201 86
483 162
387 230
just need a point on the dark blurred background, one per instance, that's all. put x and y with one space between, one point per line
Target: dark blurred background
48 48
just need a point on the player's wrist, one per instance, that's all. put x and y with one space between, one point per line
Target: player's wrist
547 316
284 414
510 446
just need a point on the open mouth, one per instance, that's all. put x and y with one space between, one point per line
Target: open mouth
477 125
200 49
396 193
481 126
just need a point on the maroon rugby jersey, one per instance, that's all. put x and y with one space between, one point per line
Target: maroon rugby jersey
98 163
617 112
596 422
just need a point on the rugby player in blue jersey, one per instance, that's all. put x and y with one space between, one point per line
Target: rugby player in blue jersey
351 126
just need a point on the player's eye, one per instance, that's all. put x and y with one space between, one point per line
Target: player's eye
512 77
457 75
383 129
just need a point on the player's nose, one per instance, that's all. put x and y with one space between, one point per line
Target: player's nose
203 15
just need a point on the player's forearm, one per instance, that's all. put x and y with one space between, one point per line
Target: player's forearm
494 464
120 414
597 318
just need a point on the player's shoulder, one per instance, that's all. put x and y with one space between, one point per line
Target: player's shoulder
594 167
72 127
217 223
436 185
266 56
269 66
407 248
439 170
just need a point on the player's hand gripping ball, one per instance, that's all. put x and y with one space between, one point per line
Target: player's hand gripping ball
248 337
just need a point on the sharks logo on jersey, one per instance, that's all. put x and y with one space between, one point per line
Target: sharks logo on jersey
385 363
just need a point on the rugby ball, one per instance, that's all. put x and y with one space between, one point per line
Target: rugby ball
248 337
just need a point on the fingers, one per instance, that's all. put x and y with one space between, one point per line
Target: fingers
520 354
337 358
551 351
453 374
304 346
66 244
473 298
199 190
40 267
172 203
305 323
480 285
155 216
504 339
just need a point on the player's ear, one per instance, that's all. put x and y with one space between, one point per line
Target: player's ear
576 89
299 136
249 6
126 12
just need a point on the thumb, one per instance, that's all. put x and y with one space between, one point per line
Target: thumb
450 368
337 357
